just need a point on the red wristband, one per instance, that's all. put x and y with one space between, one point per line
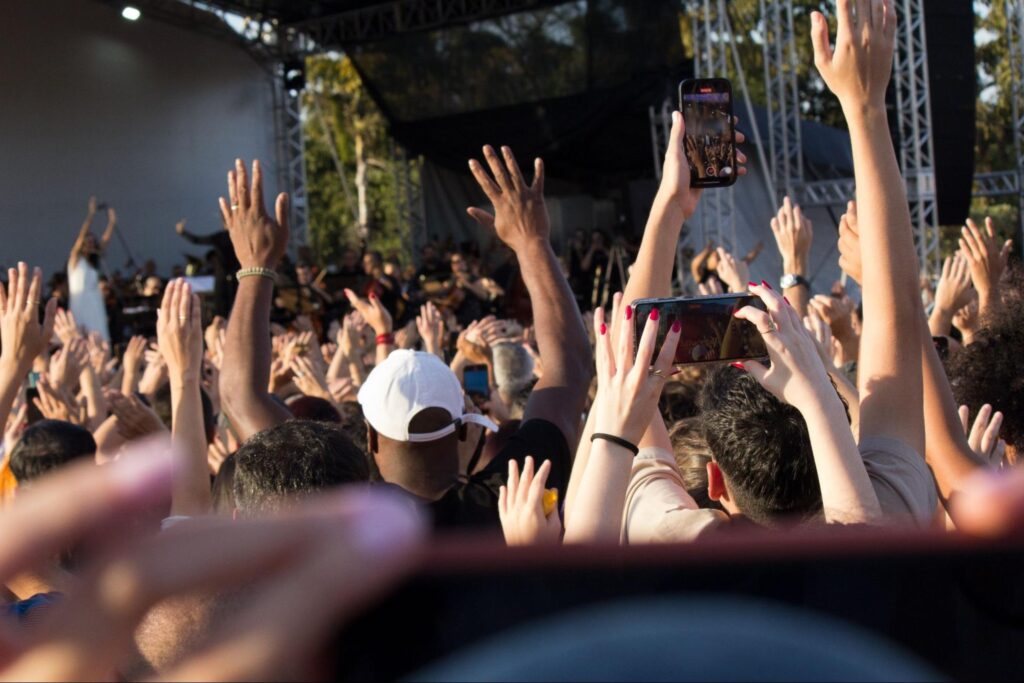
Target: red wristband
388 339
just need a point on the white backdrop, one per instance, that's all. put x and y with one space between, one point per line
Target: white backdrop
146 116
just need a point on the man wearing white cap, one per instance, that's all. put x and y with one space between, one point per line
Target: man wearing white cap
414 404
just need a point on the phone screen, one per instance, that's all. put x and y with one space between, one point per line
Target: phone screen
475 380
710 333
33 379
710 140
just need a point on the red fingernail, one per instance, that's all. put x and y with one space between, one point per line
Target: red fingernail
739 366
629 312
604 329
786 300
751 284
675 372
676 326
372 295
654 314
765 284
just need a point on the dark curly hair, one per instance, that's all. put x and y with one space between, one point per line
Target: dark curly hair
292 460
989 370
762 448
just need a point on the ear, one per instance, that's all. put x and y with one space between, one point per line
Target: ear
716 482
372 442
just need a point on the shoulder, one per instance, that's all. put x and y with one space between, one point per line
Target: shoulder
901 479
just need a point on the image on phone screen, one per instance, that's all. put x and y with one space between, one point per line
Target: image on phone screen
710 332
475 381
709 141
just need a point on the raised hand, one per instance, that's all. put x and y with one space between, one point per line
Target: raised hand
987 260
179 227
953 293
65 327
983 436
709 288
822 335
55 404
373 312
520 215
734 273
259 240
21 334
629 388
857 71
849 243
797 375
968 320
675 172
134 418
793 233
309 378
430 325
524 519
179 333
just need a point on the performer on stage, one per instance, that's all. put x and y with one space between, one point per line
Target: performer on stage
85 298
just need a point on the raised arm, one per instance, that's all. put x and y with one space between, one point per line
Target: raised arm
793 235
83 233
521 222
21 334
259 243
108 233
858 72
180 335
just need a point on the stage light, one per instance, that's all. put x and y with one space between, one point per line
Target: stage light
131 13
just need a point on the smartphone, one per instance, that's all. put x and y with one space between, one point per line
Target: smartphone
476 382
710 333
941 347
710 140
33 380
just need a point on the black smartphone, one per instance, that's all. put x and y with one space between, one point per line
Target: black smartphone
941 347
710 140
476 382
710 334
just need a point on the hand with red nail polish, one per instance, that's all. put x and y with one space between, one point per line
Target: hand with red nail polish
373 311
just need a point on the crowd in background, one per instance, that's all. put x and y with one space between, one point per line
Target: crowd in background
204 474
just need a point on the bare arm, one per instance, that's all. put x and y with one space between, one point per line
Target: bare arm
858 72
180 334
83 232
793 235
521 222
108 233
259 242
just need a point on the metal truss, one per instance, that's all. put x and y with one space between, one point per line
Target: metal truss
291 160
409 191
913 102
827 192
783 102
402 16
712 37
997 184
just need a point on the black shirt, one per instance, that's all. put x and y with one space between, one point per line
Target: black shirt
474 504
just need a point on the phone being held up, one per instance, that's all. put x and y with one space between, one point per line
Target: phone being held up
710 140
710 331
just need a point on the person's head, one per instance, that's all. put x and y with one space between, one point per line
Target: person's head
49 445
459 264
763 466
598 239
989 370
415 415
90 246
313 408
350 258
372 263
303 272
153 286
428 254
293 460
513 374
692 456
162 406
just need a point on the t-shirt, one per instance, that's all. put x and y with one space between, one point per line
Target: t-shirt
902 481
658 508
474 504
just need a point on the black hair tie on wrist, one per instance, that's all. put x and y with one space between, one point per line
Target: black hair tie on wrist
632 448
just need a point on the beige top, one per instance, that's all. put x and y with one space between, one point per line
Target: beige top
658 508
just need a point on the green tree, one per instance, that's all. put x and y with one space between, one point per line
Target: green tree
351 170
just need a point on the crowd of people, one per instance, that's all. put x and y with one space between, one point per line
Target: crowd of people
209 494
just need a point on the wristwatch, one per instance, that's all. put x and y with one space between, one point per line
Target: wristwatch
790 280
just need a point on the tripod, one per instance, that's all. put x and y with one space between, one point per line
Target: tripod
603 277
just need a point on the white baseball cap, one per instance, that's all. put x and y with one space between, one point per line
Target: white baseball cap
407 383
